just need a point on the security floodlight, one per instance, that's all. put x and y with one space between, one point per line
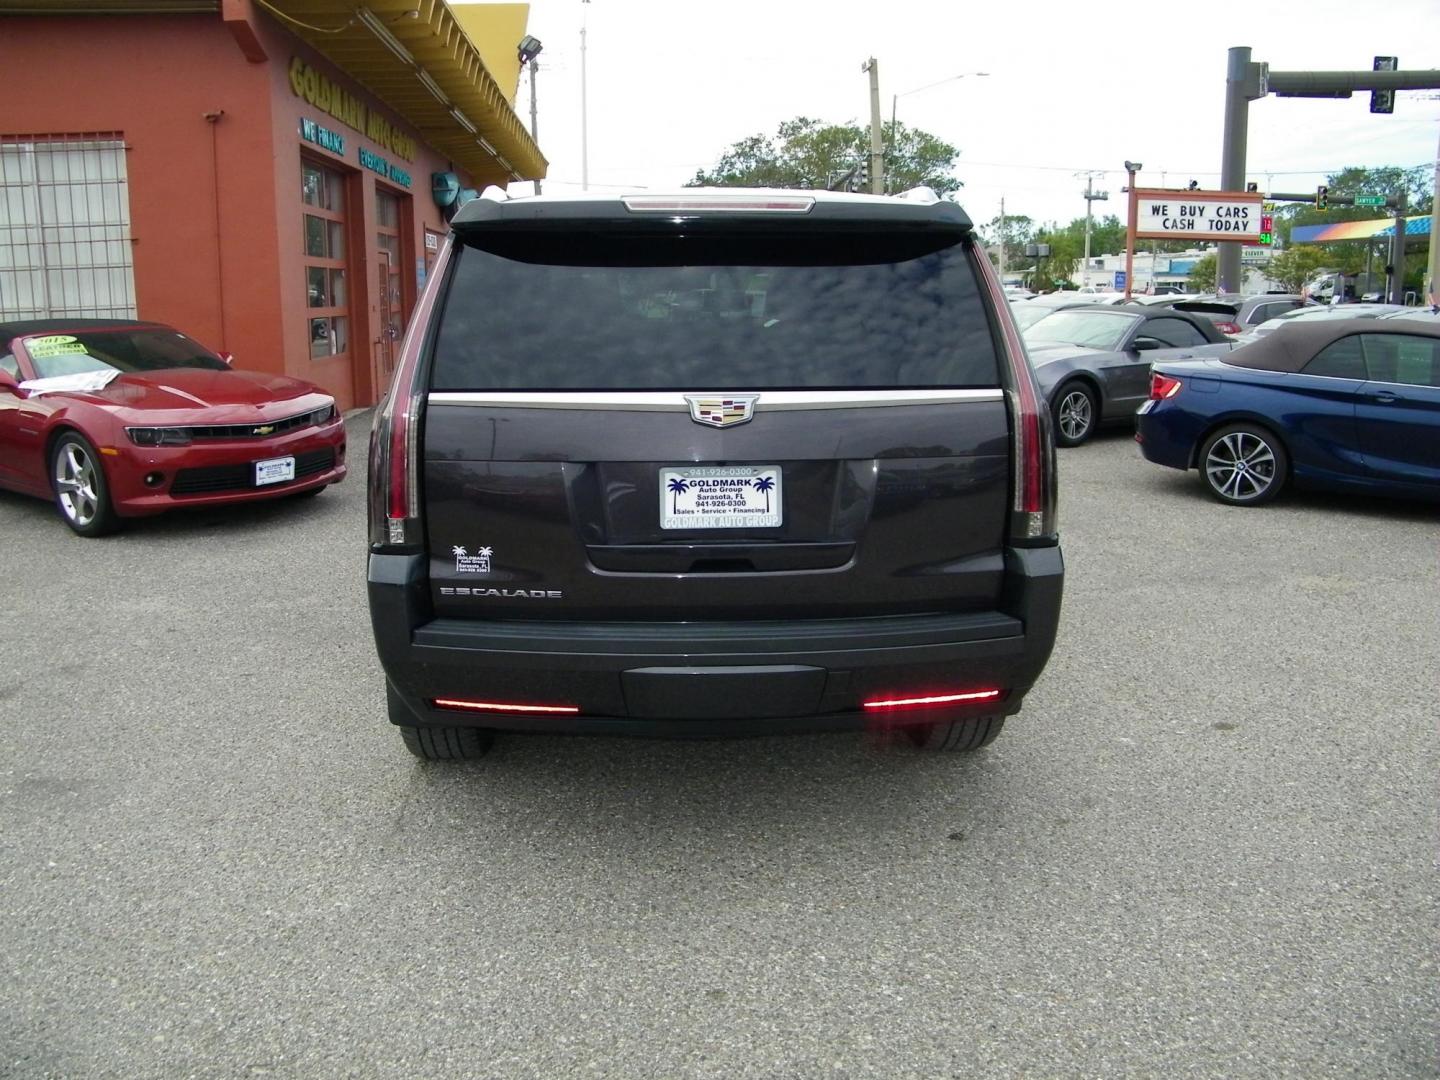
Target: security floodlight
529 48
1133 166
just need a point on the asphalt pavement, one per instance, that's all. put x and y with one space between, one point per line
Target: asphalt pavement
1205 848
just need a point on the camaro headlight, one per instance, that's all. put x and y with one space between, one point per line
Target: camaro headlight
158 436
323 416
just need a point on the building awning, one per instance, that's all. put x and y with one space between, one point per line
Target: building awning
411 54
1358 230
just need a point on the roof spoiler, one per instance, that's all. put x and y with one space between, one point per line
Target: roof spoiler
917 208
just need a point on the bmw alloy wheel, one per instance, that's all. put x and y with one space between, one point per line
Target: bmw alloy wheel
75 484
1240 466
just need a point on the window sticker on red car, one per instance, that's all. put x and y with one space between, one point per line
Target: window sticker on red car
40 348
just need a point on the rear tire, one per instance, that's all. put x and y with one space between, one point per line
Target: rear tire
960 736
1244 465
447 743
1076 413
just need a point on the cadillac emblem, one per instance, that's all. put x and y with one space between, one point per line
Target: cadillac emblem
722 411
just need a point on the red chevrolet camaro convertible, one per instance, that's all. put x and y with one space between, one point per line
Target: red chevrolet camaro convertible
115 419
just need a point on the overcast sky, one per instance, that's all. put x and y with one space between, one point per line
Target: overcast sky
1071 86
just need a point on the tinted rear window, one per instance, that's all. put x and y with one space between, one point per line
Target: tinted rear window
672 312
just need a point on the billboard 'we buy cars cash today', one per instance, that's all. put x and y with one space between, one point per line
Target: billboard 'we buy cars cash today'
1198 215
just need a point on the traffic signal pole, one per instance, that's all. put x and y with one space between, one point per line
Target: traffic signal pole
1246 81
1232 160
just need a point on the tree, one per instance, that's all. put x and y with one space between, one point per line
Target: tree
807 153
1202 274
1014 234
1349 256
1294 267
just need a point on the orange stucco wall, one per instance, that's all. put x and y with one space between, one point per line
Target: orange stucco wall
216 213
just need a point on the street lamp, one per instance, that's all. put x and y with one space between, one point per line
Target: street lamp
895 98
1131 167
528 49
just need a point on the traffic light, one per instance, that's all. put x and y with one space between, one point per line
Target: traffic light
1322 197
862 175
1383 101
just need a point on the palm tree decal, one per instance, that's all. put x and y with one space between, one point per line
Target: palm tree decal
677 485
459 551
486 552
764 485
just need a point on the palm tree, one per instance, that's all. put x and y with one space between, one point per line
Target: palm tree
764 484
677 485
458 551
486 552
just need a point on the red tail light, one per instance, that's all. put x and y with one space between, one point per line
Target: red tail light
1228 327
1033 510
931 700
394 453
461 705
1163 386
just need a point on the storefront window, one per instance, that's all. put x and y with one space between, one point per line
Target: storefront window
322 191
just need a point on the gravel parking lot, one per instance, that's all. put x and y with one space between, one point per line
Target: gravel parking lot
1204 849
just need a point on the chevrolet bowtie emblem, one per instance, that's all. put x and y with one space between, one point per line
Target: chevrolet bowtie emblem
721 411
263 430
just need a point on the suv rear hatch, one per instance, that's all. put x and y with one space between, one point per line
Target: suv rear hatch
686 410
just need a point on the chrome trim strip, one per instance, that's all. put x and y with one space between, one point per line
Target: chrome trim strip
676 401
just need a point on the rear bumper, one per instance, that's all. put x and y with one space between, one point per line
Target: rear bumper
1167 434
715 678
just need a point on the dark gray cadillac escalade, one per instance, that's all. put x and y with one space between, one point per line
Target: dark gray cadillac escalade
723 462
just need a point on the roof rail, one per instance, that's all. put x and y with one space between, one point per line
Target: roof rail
921 194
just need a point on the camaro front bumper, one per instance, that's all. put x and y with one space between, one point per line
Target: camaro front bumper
150 480
710 678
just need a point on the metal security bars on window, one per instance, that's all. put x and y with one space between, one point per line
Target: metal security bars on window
65 243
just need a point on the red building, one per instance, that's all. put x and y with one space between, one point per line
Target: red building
267 175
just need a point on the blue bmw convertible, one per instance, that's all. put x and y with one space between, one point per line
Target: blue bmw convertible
1352 405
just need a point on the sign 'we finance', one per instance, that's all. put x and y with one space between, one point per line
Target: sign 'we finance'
1197 215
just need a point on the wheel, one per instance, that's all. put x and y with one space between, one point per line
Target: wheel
1076 412
447 743
1243 465
78 480
437 743
959 735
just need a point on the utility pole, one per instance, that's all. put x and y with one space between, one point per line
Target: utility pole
877 147
1091 197
584 109
529 51
1432 283
1002 235
534 125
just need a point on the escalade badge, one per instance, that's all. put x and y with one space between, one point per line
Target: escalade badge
722 411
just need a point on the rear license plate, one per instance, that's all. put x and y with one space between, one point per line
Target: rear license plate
274 471
720 497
